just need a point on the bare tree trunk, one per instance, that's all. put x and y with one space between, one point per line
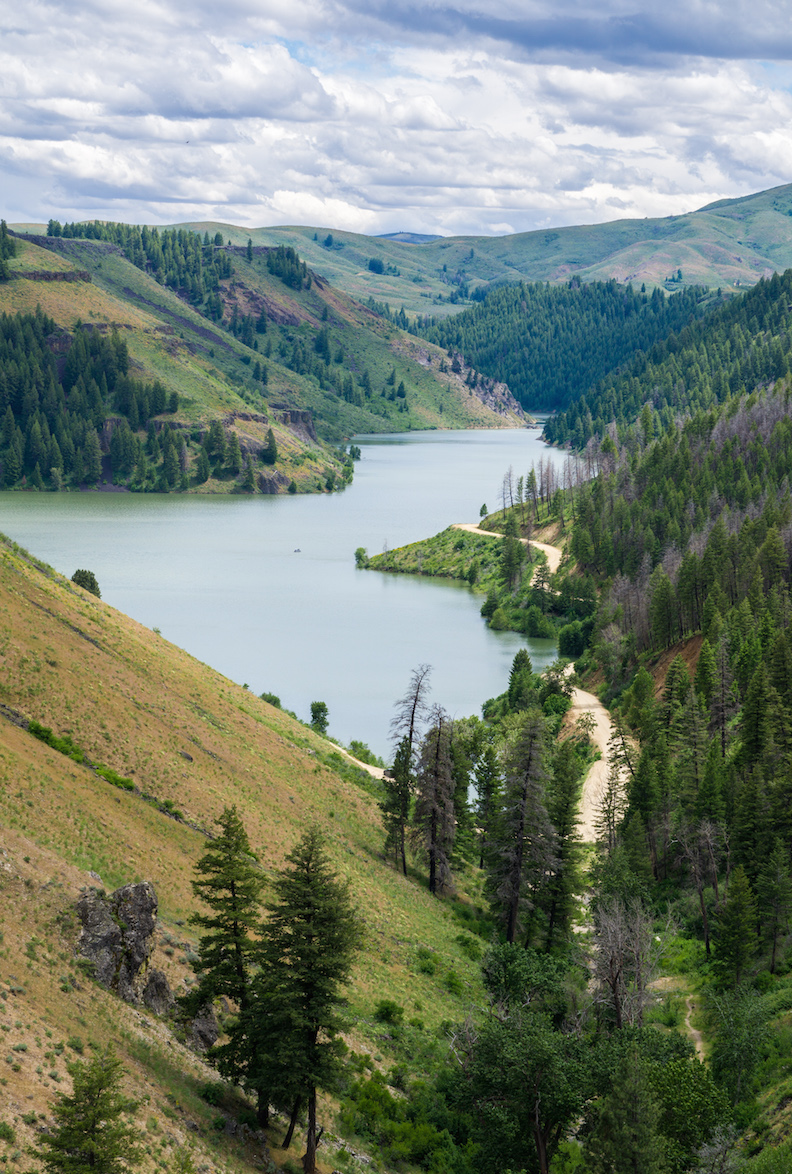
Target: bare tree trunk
292 1122
309 1158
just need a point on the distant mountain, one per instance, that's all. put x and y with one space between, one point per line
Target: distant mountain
408 238
729 244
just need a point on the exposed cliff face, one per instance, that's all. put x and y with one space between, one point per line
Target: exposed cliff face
117 935
301 424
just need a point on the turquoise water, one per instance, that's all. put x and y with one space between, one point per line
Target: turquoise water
265 589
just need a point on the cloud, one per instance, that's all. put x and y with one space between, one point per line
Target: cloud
377 116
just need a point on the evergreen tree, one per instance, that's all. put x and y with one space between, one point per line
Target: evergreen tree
395 804
230 883
625 1137
522 852
433 816
90 1134
563 799
488 797
308 947
774 891
411 712
736 939
269 454
234 454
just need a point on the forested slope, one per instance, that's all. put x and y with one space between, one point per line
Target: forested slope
552 343
164 362
740 345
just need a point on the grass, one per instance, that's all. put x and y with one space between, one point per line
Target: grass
452 554
130 700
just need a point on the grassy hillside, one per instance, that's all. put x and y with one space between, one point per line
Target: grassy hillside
729 244
214 369
191 741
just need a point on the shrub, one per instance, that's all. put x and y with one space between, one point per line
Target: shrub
469 946
7 1132
426 963
453 983
87 580
387 1011
272 698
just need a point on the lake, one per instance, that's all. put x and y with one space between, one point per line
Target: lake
265 589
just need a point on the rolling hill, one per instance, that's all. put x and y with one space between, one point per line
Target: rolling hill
729 244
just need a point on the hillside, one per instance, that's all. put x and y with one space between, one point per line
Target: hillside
552 343
191 742
729 244
303 361
738 347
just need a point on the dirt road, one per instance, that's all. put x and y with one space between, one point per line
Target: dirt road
594 783
552 553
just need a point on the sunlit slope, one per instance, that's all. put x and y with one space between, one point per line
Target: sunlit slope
729 244
192 742
214 371
186 736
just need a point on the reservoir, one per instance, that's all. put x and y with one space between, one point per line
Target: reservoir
265 589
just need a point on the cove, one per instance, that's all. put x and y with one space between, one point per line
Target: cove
265 589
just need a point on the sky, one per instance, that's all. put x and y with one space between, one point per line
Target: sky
375 116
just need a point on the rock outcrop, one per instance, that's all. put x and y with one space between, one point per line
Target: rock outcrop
157 995
117 935
204 1029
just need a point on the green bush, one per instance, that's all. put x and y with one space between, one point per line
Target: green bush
426 962
7 1132
453 983
387 1011
469 946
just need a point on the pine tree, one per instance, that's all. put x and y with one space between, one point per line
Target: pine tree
269 454
309 944
90 1134
410 714
625 1138
736 940
774 890
488 797
230 883
522 851
433 817
563 799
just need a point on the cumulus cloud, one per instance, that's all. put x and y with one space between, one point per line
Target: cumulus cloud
477 116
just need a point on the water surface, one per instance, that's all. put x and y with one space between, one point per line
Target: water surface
265 589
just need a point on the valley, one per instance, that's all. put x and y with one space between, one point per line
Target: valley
574 879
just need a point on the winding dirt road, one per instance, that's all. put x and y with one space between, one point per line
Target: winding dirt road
552 553
582 702
596 779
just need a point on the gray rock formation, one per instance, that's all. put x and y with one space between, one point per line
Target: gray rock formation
157 995
117 935
204 1029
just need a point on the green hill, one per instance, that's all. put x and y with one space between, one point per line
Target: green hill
729 244
239 344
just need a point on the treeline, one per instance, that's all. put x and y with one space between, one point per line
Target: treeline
552 343
7 249
696 520
738 346
174 257
53 412
561 1069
